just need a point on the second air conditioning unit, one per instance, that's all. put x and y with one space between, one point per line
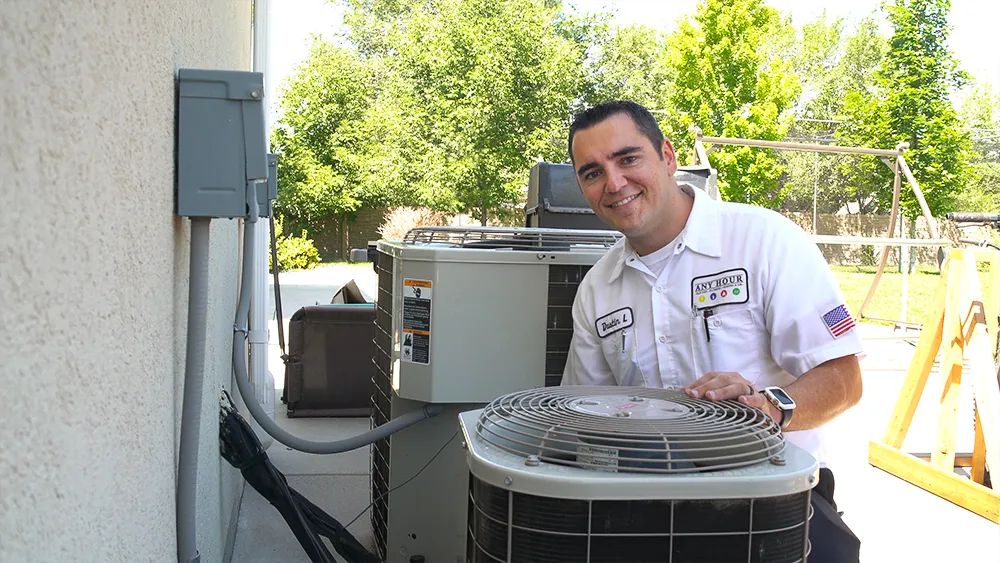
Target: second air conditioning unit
463 315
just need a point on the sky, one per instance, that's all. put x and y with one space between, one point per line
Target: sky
974 38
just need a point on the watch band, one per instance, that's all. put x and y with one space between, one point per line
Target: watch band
786 413
786 417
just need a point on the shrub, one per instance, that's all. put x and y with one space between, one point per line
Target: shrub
401 219
294 253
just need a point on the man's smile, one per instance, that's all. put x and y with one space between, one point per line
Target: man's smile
622 202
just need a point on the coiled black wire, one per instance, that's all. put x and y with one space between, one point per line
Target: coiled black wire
310 524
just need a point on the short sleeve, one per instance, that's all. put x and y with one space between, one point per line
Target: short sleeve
804 309
585 363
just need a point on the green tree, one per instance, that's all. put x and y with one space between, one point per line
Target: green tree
630 63
320 138
730 81
479 90
832 69
980 115
911 104
438 103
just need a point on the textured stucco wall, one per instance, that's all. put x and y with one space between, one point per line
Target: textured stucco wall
93 278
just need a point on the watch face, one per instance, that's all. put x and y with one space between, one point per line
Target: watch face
781 396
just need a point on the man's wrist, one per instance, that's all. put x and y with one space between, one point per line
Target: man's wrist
773 412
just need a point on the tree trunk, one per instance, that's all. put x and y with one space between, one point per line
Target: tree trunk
483 215
342 243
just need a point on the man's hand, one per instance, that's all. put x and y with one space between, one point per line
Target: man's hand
719 386
821 394
722 385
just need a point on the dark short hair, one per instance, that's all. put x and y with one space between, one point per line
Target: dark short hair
640 116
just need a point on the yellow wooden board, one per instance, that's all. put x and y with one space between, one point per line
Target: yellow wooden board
946 484
920 368
962 324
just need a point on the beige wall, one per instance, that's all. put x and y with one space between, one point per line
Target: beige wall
93 288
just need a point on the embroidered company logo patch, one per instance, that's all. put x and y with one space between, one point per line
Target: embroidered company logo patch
723 288
838 320
615 320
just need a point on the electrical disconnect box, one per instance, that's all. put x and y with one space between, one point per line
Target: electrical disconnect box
222 160
272 186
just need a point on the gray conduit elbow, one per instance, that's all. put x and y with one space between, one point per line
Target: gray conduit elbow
250 400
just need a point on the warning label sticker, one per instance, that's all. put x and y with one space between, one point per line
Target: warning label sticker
416 346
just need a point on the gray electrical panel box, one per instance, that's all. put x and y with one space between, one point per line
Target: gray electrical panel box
222 160
268 192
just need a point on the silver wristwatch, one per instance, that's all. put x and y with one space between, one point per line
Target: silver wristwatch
781 401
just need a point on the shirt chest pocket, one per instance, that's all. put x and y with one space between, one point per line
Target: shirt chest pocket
728 340
621 350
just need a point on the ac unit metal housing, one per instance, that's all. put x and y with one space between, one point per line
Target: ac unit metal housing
463 315
626 475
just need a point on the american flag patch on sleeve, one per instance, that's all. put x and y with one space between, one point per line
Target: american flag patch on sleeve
838 320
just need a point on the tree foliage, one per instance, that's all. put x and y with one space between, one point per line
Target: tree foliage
321 137
730 83
980 116
446 104
494 79
452 102
630 63
833 68
910 103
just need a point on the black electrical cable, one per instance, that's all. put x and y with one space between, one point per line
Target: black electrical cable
309 523
415 475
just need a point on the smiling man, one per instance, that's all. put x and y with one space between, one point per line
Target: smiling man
720 299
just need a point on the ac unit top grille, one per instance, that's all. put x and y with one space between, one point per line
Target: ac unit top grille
629 429
512 238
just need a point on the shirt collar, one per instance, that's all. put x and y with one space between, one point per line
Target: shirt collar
700 234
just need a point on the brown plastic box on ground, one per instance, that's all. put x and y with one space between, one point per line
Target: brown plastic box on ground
329 367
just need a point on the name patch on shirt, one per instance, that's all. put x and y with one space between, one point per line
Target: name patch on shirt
723 288
613 321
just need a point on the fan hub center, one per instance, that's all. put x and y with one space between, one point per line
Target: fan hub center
628 406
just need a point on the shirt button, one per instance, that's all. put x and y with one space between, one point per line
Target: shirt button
716 322
662 338
659 289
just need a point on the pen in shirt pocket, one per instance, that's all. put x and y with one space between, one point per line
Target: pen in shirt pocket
624 334
708 333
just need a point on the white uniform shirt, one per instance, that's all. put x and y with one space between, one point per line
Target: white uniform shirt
743 289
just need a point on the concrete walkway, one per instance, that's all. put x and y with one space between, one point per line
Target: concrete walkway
896 521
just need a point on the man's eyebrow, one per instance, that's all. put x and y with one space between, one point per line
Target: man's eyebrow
620 152
624 151
586 168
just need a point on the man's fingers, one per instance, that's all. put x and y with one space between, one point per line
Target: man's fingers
733 390
754 401
718 386
704 383
758 400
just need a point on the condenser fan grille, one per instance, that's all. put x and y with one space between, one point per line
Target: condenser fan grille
629 429
512 238
511 527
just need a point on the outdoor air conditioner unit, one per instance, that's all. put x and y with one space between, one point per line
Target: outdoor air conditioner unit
463 315
627 475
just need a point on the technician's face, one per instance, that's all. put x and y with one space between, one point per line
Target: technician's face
624 179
